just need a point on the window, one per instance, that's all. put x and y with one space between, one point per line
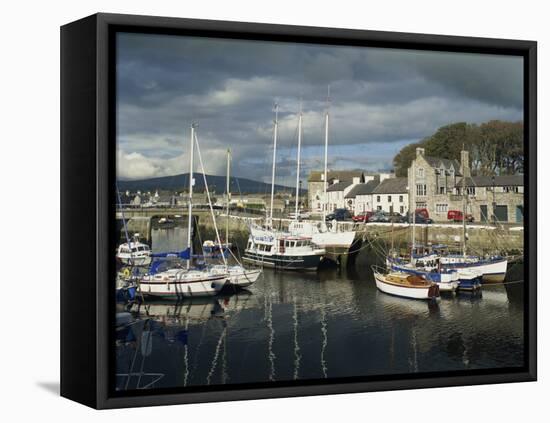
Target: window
401 199
401 209
377 198
511 189
441 208
420 189
378 207
389 198
471 190
442 190
420 172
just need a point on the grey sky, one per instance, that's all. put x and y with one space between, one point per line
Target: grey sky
381 99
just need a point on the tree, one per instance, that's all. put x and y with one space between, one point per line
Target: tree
496 147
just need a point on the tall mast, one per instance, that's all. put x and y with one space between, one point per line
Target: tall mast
413 204
212 215
123 218
190 205
325 176
270 220
227 183
463 209
298 162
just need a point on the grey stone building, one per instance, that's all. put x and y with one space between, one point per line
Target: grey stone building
438 187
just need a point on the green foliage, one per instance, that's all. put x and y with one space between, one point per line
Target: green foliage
496 147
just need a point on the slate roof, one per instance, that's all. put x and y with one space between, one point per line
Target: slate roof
438 162
340 186
341 175
392 186
362 189
487 181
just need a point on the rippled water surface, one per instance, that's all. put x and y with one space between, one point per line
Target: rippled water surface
333 323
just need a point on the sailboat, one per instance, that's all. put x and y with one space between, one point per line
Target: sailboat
446 280
209 247
237 276
183 281
472 269
491 269
278 249
319 232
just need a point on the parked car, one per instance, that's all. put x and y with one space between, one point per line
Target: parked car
423 212
362 217
338 214
419 218
397 218
458 216
379 216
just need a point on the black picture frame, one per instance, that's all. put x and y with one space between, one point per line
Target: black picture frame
87 232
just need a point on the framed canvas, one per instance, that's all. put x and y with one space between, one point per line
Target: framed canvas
257 211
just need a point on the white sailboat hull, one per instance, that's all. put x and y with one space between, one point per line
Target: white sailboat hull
333 239
491 271
183 287
238 276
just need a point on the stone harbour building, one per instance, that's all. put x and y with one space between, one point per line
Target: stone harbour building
438 187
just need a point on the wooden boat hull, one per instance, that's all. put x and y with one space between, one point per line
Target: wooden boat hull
447 282
419 293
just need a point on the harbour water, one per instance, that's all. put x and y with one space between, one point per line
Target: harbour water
332 323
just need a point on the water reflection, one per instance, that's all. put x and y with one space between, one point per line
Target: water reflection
316 325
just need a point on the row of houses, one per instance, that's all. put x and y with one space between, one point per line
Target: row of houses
439 185
358 192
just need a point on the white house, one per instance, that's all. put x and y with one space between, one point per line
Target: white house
391 196
359 198
336 193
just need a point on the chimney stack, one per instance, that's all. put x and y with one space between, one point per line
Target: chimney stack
419 151
465 163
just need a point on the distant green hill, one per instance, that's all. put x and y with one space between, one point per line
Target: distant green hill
178 183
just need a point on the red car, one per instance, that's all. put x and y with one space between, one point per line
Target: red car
363 216
458 216
423 212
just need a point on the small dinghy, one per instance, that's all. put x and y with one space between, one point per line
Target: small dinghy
405 285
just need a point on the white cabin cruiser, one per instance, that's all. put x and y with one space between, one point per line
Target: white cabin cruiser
322 235
134 253
282 250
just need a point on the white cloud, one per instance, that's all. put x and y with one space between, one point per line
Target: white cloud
138 166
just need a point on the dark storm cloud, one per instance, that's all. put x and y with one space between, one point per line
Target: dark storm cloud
379 98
